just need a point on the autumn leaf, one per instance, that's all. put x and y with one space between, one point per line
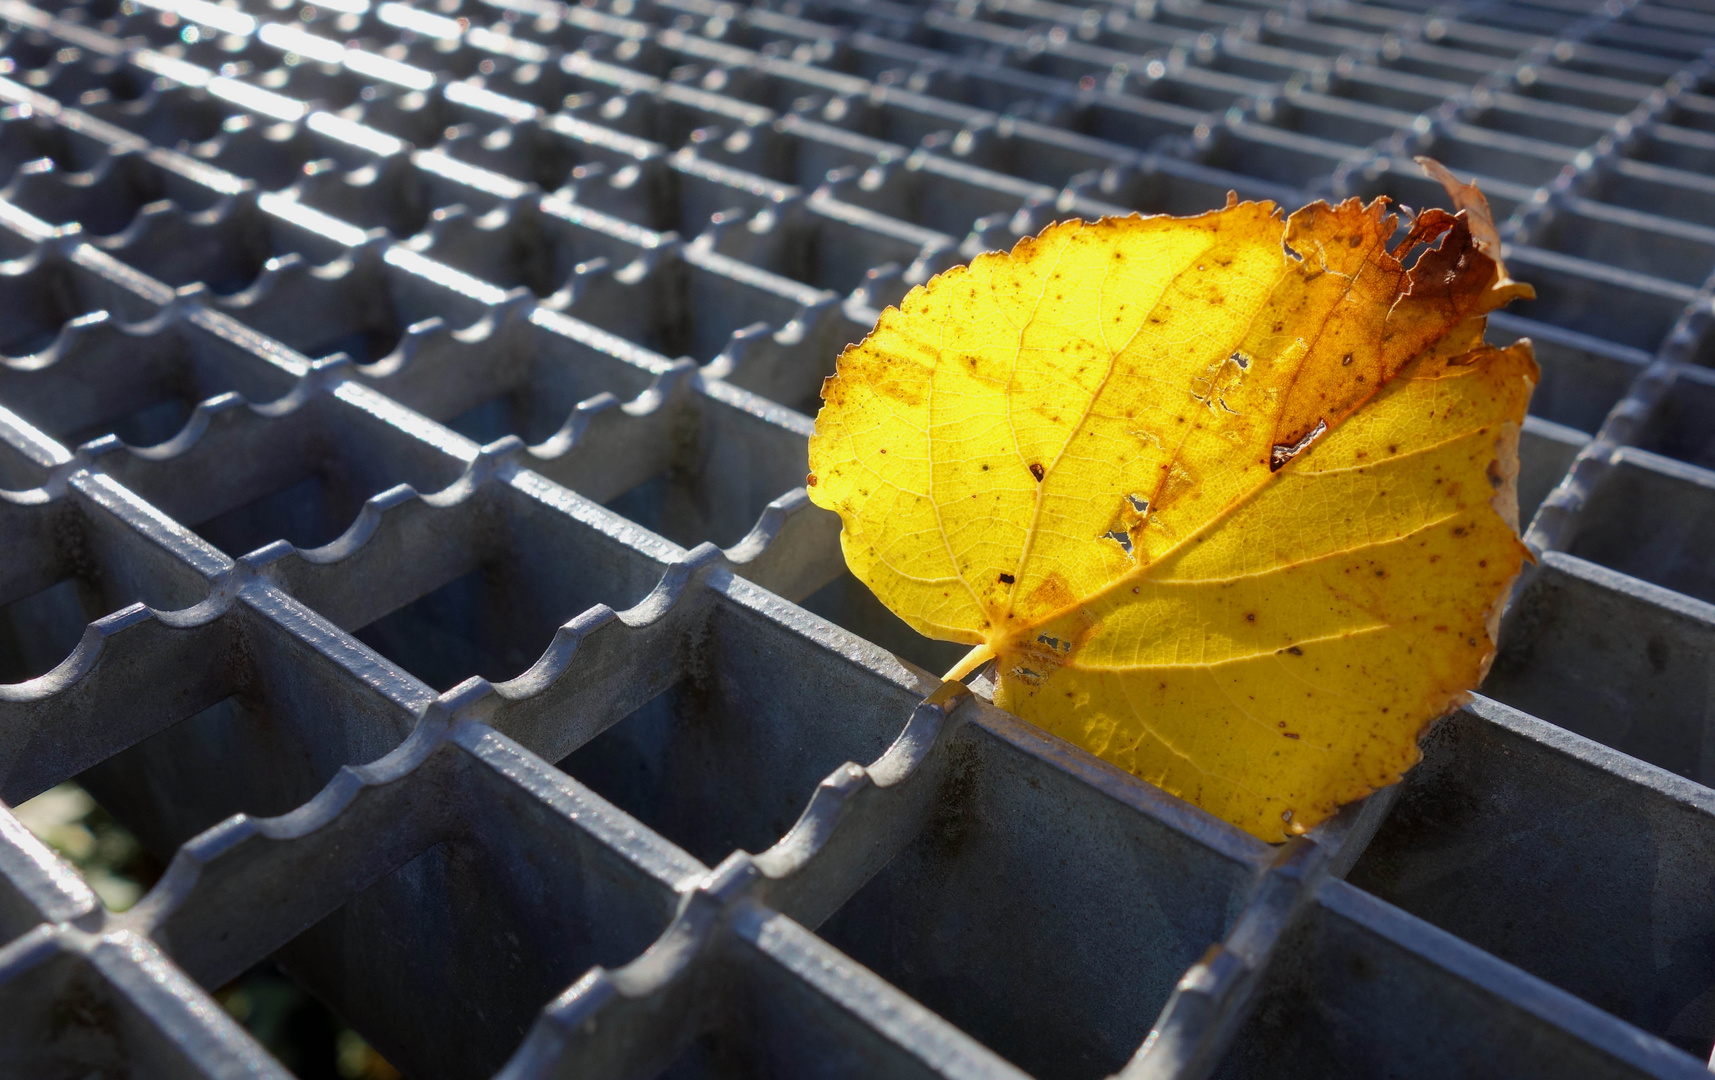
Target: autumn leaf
1229 498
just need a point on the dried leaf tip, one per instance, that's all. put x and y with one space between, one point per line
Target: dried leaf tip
1479 218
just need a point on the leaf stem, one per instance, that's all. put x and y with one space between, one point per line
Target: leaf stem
972 660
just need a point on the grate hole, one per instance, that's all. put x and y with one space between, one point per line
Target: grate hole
294 1027
524 414
104 852
154 423
672 509
847 602
309 513
728 761
39 631
302 1033
477 624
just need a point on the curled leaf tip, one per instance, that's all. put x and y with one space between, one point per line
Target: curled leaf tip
1469 200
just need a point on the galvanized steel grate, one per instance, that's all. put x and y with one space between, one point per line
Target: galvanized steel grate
509 314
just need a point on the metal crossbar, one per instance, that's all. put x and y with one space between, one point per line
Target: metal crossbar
402 416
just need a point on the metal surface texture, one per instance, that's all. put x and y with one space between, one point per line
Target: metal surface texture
402 423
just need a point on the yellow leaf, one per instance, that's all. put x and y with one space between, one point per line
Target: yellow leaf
1229 498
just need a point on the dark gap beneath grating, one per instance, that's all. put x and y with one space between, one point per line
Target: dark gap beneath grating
219 752
847 602
1573 133
140 381
1657 190
18 473
1594 100
1635 313
12 245
286 1019
571 907
1683 426
761 1025
480 623
1677 149
310 513
34 306
1653 525
365 345
1062 969
547 917
1329 125
520 412
303 1034
511 256
728 757
724 1052
106 854
1341 1000
1610 665
668 505
150 425
1546 451
1549 864
38 632
1281 163
355 310
1672 250
1581 378
291 1024
659 764
633 763
1488 159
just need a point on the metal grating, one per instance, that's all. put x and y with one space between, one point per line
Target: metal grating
509 315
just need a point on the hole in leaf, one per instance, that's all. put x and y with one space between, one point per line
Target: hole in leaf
1283 453
1055 643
